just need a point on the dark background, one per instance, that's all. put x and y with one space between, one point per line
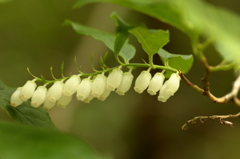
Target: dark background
128 127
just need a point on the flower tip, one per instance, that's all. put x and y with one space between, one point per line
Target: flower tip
34 104
138 90
67 93
121 93
151 92
14 105
110 88
162 99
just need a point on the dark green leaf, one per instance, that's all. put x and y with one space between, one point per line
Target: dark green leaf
24 113
122 33
151 40
177 61
26 142
119 42
127 52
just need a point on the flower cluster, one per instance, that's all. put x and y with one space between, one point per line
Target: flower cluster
156 83
100 87
60 93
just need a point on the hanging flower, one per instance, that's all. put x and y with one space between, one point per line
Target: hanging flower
114 79
64 101
163 96
173 84
155 83
54 93
169 87
39 96
88 99
105 94
125 83
84 89
15 98
70 86
142 81
98 85
48 104
27 90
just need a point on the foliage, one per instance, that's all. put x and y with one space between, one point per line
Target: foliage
23 142
199 20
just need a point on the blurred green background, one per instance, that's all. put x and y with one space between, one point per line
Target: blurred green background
127 127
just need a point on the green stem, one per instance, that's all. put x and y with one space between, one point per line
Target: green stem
131 66
150 60
222 67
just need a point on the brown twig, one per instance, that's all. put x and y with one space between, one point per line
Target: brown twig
203 119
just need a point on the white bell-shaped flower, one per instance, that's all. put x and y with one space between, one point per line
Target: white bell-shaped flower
15 98
142 81
125 83
114 79
39 96
64 101
70 86
99 85
105 94
27 90
48 104
55 92
163 95
155 83
173 84
84 89
88 99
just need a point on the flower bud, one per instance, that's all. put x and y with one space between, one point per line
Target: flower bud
163 96
48 104
105 94
142 81
54 93
98 85
84 89
114 79
15 98
27 90
173 84
155 83
39 96
64 101
125 83
70 86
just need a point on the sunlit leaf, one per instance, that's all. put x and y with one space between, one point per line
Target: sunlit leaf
127 52
177 61
151 40
193 17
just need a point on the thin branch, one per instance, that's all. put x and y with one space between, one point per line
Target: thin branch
203 119
205 91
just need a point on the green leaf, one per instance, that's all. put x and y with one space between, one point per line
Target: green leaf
164 10
177 61
122 33
151 40
193 17
26 142
24 113
127 52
